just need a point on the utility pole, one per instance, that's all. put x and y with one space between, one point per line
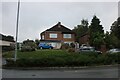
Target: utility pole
15 55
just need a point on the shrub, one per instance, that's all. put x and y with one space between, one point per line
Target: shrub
10 63
71 50
27 48
72 45
7 48
60 58
65 46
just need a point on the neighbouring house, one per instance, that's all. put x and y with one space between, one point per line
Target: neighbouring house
6 45
84 39
57 35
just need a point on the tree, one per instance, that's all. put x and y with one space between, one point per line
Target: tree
6 38
10 38
30 43
37 42
98 39
115 33
95 26
115 28
81 29
96 33
110 40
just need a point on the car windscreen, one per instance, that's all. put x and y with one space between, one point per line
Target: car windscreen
117 49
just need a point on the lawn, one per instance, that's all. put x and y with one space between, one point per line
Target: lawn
59 58
37 54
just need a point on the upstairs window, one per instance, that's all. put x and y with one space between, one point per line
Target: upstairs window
67 36
43 37
53 35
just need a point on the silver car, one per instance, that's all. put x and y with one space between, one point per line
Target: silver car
115 50
89 49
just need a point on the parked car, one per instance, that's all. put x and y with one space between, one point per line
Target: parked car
89 49
84 45
115 50
45 46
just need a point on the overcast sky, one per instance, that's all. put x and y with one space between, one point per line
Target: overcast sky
36 17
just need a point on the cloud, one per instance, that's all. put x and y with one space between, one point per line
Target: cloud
36 17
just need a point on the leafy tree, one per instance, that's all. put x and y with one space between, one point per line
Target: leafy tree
96 33
115 28
108 40
115 41
72 45
115 33
37 42
30 43
10 38
95 26
6 38
98 39
81 29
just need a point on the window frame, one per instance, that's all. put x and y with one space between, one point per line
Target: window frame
70 36
53 34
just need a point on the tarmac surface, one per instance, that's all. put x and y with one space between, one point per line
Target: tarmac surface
100 72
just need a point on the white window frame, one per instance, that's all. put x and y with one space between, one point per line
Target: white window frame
53 35
68 36
43 37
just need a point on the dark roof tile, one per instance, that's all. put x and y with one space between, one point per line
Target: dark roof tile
59 27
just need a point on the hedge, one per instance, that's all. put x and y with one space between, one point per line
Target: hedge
65 59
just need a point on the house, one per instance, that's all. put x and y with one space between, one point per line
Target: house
7 43
57 35
84 39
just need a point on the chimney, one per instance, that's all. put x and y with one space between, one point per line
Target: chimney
59 24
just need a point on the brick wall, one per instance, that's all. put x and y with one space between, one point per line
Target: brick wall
59 36
84 39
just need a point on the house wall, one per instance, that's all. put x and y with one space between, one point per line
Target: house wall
5 43
84 39
59 36
47 36
69 39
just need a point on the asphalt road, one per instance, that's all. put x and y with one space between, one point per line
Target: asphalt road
102 72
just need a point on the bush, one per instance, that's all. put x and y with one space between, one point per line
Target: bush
7 48
72 45
27 48
10 63
65 46
71 50
62 58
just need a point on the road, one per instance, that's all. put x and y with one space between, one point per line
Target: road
103 72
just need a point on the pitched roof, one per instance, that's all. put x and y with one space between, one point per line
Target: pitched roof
61 28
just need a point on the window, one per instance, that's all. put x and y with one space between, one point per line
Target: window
43 37
67 36
53 35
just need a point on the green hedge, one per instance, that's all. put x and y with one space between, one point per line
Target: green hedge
65 59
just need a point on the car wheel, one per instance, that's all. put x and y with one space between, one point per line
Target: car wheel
41 48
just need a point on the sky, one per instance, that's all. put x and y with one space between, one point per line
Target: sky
36 17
